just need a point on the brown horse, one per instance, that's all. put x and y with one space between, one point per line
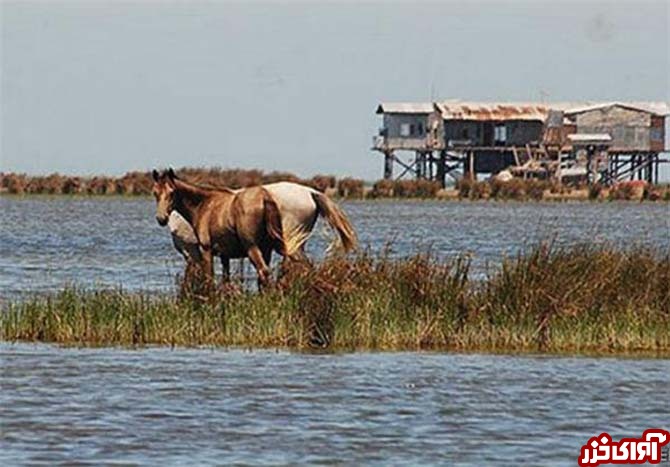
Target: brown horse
229 224
299 208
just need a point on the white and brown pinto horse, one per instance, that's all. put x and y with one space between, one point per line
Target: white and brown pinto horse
251 222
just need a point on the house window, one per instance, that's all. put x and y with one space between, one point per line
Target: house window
465 133
500 133
404 130
656 134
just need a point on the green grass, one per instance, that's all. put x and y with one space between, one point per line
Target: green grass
580 299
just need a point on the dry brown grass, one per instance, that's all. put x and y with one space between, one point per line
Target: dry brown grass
139 184
577 299
351 188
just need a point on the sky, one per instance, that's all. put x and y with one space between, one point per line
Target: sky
107 87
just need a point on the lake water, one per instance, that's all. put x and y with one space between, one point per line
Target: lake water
160 406
48 242
203 406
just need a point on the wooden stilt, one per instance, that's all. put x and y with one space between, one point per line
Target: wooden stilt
471 164
441 169
388 165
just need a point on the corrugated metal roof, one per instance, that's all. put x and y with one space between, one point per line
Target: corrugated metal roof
656 108
459 110
405 108
470 110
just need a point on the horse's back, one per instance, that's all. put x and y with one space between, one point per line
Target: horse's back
296 204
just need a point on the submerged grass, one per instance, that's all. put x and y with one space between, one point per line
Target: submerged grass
577 299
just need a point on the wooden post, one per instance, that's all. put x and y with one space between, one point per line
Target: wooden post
647 169
471 164
441 169
388 165
430 166
589 165
516 156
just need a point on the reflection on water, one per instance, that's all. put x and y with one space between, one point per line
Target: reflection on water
196 406
48 242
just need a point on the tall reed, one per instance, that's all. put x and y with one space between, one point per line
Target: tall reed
577 299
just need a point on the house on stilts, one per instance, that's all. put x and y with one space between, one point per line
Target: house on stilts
567 141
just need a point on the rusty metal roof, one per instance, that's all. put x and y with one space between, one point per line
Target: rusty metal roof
458 110
482 111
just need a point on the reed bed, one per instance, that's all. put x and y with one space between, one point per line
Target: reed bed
550 299
140 184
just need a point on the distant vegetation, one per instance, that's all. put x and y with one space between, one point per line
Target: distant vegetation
139 184
576 299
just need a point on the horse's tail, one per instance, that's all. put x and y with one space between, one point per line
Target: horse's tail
337 220
273 225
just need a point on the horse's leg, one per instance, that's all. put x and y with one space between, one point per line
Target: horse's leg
240 271
208 266
185 286
225 269
302 256
257 259
267 256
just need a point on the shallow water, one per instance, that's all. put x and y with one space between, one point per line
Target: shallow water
48 242
203 406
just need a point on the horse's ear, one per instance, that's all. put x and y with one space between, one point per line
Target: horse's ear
171 174
155 175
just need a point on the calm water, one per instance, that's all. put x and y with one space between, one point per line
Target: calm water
200 406
48 242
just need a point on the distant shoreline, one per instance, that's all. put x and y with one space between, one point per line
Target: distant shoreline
140 183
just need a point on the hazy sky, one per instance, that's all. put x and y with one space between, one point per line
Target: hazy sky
106 87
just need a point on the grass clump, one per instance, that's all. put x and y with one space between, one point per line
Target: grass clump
578 299
627 191
472 189
350 188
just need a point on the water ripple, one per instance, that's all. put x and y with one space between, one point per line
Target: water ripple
48 242
203 406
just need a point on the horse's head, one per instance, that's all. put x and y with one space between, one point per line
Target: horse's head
163 191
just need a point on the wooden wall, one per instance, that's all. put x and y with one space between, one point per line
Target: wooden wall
629 128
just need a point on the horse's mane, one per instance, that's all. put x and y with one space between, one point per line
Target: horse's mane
206 186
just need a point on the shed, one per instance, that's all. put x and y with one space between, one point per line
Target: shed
633 128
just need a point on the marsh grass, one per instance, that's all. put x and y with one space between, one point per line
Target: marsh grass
549 299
